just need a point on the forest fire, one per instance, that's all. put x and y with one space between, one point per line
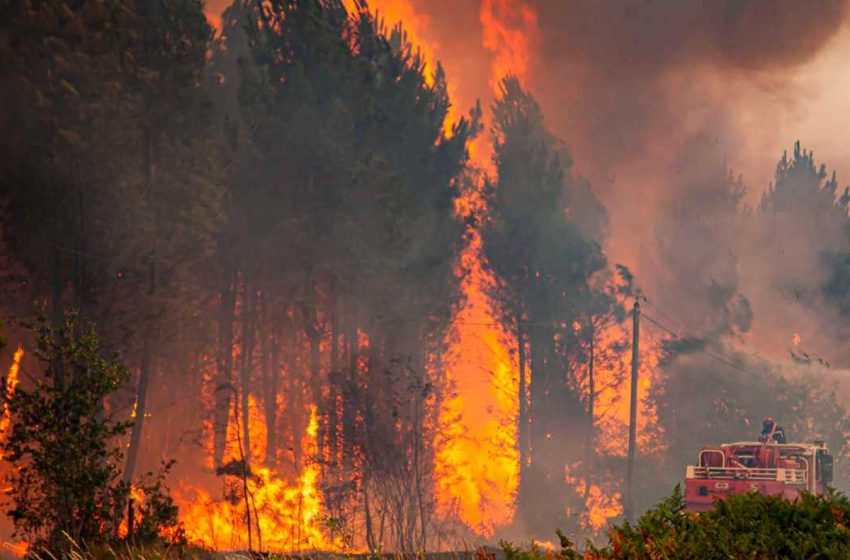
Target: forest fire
394 276
284 516
599 504
612 407
402 14
479 415
479 418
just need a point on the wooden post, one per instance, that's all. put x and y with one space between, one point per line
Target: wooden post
628 505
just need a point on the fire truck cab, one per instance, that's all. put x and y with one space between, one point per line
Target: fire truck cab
774 469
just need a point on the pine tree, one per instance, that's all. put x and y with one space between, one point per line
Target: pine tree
544 261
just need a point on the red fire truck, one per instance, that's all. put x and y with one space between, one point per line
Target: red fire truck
775 469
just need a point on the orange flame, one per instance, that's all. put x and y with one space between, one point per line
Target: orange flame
415 25
234 448
603 500
477 460
509 29
137 495
285 517
476 456
601 504
18 549
612 406
11 384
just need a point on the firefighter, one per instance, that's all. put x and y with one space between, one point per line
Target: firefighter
771 431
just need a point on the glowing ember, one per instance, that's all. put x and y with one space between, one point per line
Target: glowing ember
18 549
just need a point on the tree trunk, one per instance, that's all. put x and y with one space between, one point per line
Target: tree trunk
83 279
591 425
58 315
294 397
224 367
522 429
272 377
144 379
333 436
349 412
536 388
311 329
249 300
370 531
141 401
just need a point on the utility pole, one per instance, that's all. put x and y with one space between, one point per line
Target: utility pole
628 505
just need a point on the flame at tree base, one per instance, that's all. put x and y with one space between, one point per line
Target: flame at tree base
477 459
284 516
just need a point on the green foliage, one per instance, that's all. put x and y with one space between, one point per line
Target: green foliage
804 214
62 440
542 239
567 546
157 513
744 526
535 552
803 187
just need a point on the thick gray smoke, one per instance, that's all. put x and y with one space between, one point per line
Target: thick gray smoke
678 112
623 79
665 105
656 99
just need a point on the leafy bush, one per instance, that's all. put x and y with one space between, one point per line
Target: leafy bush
744 526
158 514
64 490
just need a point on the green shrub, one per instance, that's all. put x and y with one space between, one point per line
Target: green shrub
744 526
751 526
64 489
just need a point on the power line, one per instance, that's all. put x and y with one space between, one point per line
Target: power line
667 317
659 325
708 352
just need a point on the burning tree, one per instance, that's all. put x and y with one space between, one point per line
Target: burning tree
283 220
337 277
545 255
111 173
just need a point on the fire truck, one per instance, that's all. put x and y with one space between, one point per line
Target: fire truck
774 469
